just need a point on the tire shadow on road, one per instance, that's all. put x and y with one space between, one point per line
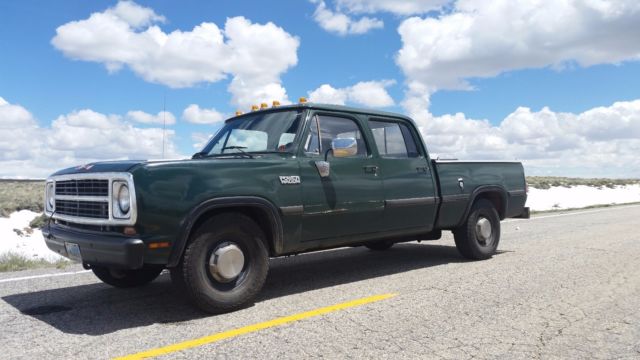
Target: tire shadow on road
97 309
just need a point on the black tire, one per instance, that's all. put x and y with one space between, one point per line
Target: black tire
468 237
198 281
379 245
127 278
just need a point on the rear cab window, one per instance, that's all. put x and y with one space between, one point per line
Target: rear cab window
394 139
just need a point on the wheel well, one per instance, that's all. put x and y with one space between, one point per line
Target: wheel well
496 199
257 214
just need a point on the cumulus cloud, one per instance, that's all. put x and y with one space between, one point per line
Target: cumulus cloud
254 55
398 7
196 115
480 40
200 139
163 117
603 141
366 93
30 150
339 23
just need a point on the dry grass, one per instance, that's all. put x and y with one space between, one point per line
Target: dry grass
18 195
11 261
545 182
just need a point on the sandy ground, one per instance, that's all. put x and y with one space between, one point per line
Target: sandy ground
31 245
556 198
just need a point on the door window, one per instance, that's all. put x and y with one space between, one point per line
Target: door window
323 129
393 139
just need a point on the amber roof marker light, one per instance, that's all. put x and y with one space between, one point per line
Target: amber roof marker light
264 106
254 107
275 103
302 100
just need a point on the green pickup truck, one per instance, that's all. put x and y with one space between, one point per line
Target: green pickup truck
278 181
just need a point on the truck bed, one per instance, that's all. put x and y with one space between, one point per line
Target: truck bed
460 182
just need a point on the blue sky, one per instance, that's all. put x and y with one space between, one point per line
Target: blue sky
50 81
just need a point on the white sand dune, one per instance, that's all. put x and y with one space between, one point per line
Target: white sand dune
558 198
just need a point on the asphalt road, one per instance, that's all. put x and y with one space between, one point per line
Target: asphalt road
563 286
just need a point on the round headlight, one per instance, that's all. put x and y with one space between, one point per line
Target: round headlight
50 198
124 200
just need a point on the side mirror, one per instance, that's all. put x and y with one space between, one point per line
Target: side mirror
343 147
340 147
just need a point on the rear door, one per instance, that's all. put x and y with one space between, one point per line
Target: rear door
350 200
409 187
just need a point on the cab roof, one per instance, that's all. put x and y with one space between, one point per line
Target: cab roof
327 107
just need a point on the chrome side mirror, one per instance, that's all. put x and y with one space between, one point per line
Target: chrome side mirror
343 147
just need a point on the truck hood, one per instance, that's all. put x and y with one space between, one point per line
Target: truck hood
102 166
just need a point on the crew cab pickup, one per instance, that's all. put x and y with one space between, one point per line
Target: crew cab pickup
278 181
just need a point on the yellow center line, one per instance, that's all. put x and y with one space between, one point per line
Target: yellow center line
253 328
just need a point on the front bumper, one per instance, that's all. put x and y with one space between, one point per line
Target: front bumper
96 248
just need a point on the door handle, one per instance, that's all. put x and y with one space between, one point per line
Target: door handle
371 169
422 169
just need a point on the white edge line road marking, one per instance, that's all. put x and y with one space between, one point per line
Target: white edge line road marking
570 213
43 276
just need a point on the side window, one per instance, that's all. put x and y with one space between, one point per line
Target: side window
331 127
394 139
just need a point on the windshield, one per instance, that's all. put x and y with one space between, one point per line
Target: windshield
259 132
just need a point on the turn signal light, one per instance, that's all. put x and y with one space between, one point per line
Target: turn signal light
159 245
129 230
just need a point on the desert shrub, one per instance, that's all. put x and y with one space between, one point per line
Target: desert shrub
18 195
39 222
546 182
11 261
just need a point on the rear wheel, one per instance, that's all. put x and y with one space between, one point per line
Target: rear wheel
478 238
225 264
127 278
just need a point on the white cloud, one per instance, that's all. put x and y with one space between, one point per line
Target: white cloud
200 140
398 7
602 141
478 40
255 55
342 24
196 115
366 93
30 150
163 117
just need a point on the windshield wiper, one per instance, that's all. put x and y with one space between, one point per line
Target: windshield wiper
239 148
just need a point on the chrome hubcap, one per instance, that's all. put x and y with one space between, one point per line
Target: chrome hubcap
483 230
226 262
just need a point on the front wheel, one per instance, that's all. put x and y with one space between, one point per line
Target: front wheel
225 263
127 278
478 237
379 245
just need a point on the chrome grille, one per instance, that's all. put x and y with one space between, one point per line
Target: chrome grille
86 199
87 187
86 209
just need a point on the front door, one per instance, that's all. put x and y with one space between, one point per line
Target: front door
350 200
409 188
